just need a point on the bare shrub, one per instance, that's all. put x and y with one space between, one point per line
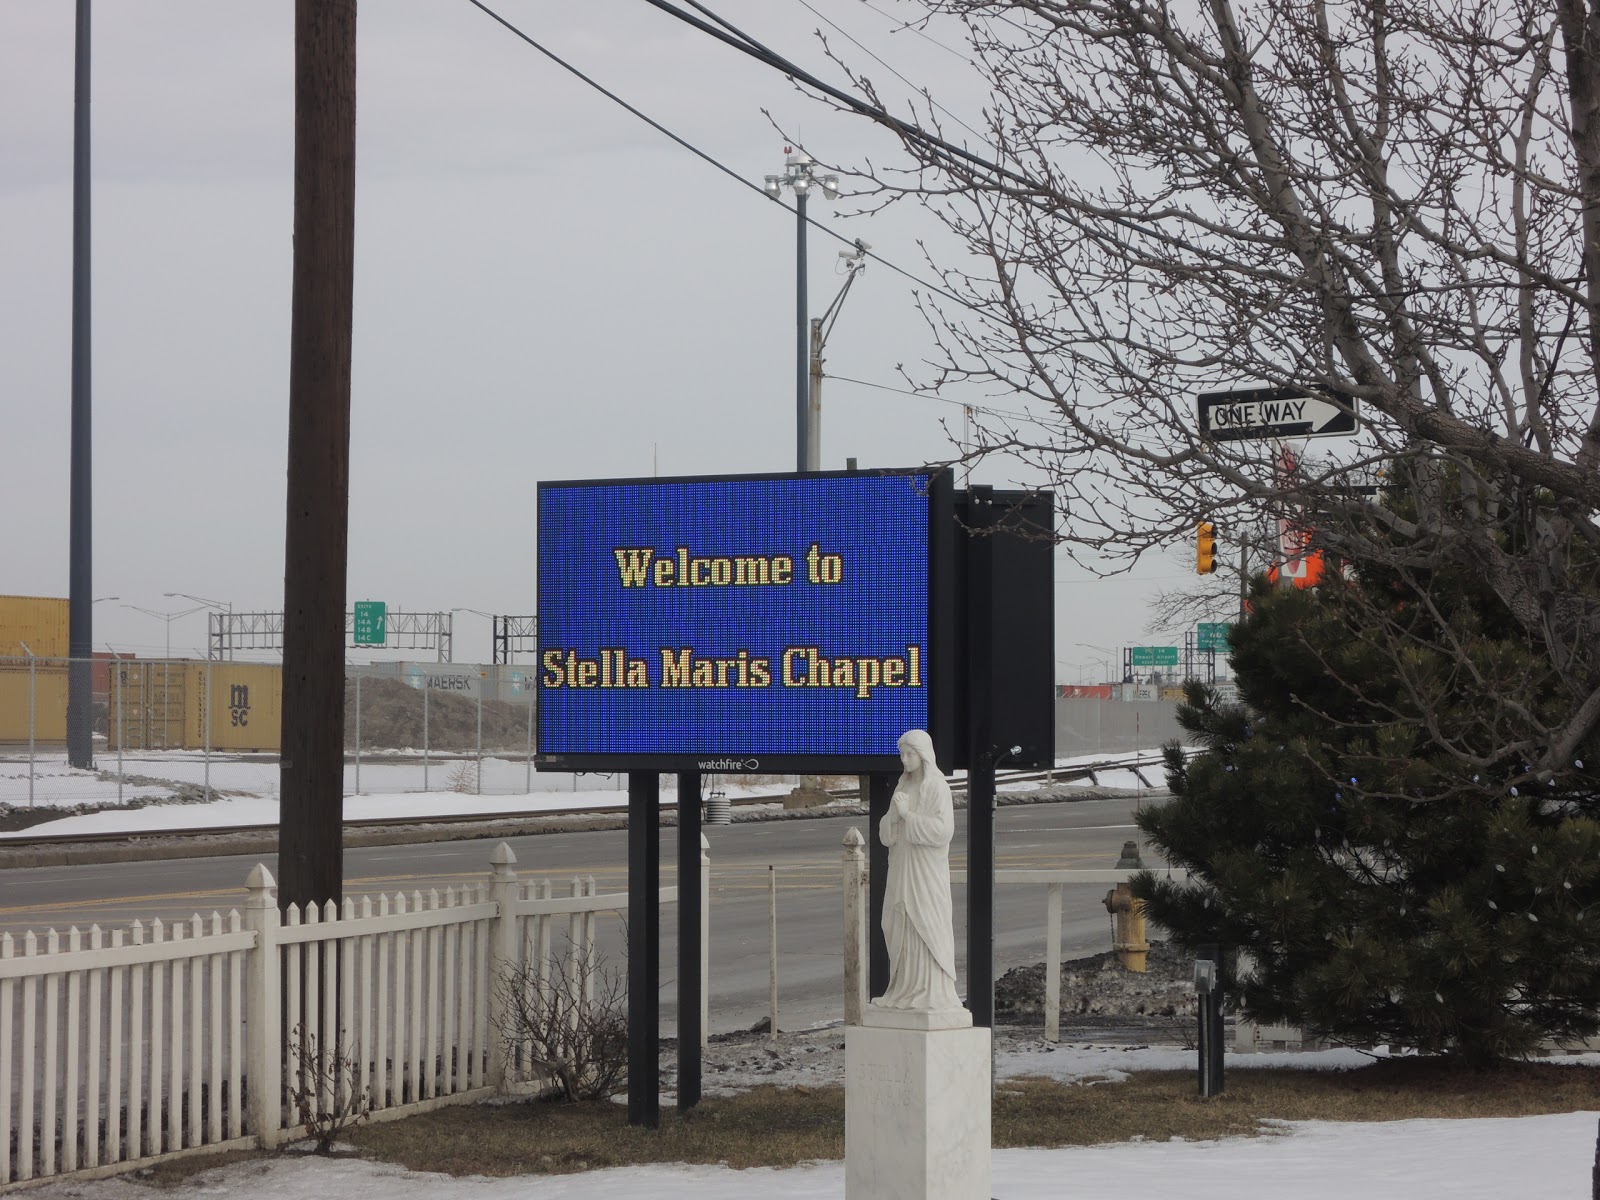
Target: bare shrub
326 1091
571 1025
463 777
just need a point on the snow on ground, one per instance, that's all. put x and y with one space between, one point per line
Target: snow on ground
1069 1062
263 810
247 789
55 784
1487 1159
815 1058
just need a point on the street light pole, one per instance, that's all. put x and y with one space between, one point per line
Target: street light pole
211 651
803 460
80 533
854 261
168 617
799 175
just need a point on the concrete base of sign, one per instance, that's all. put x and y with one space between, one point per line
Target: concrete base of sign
916 1108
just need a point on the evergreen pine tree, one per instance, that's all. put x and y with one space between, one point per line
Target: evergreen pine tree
1364 827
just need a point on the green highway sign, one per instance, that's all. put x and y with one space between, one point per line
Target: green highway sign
1213 635
1155 656
371 623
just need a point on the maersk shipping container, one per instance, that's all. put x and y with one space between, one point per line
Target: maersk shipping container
39 621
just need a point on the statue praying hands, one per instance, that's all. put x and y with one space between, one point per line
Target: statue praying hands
916 902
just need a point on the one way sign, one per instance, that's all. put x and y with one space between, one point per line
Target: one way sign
1270 412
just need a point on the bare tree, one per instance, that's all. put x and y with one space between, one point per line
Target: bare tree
1397 201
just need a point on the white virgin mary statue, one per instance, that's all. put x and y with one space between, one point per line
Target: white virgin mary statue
916 901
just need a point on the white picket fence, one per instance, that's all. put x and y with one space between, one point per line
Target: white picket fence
121 1048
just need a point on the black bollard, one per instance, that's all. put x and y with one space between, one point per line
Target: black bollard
1208 989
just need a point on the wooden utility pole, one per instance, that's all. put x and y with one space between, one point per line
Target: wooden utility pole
311 812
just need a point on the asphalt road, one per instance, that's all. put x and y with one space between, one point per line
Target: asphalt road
804 856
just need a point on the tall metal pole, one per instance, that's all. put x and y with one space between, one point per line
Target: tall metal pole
207 709
814 399
31 679
80 605
358 733
1244 577
880 794
122 725
800 176
980 759
802 395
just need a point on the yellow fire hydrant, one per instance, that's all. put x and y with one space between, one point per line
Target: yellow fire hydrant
1127 927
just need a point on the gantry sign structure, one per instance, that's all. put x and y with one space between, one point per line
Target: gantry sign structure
368 624
785 624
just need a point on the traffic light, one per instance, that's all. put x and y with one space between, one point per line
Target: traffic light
1205 546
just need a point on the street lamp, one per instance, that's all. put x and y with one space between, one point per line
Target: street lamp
800 176
213 604
168 617
1107 651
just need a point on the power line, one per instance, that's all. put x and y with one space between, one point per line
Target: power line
935 288
750 45
616 99
948 152
875 58
983 408
916 29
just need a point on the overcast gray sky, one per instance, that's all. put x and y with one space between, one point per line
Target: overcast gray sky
545 288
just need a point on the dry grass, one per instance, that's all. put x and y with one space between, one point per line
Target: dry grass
1163 1105
764 1127
775 1127
782 1127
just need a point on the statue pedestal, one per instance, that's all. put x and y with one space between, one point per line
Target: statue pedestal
916 1107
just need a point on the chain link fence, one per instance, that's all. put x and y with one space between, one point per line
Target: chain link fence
192 730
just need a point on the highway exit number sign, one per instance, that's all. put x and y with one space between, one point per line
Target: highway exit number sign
371 621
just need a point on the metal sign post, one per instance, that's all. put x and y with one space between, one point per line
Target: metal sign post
644 948
690 946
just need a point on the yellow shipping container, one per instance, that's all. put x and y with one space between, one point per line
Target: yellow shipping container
246 703
49 702
39 621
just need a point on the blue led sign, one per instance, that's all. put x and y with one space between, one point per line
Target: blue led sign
733 624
